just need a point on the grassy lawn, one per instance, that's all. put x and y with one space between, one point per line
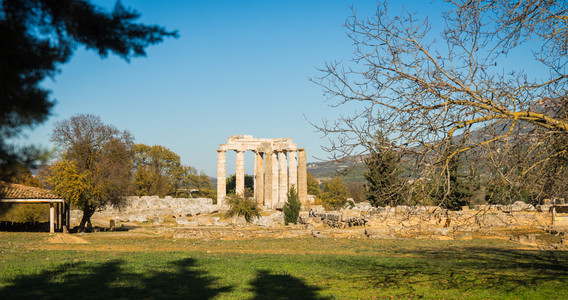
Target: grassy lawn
116 265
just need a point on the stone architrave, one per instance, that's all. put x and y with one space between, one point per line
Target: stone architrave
221 178
240 180
293 169
302 176
283 189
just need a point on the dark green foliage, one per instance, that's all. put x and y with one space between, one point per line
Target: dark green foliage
232 184
37 37
241 206
292 206
383 182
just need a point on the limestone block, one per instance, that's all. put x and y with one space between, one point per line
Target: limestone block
318 234
238 220
543 207
182 220
203 220
274 219
311 199
351 213
489 220
138 218
279 205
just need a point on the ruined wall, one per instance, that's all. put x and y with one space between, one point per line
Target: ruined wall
139 209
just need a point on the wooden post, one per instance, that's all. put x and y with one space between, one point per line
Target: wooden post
51 218
57 216
68 217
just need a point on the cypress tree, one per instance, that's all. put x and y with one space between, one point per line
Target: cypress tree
292 206
383 183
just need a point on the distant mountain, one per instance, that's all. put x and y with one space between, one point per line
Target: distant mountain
351 169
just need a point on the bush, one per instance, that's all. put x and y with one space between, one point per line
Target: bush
241 206
334 193
27 213
292 207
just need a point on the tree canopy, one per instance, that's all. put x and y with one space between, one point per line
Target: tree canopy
36 38
334 193
159 171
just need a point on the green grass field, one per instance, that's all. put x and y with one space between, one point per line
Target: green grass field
118 265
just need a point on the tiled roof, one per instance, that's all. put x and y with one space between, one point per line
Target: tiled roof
18 191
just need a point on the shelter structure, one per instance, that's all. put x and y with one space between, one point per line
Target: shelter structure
278 165
22 194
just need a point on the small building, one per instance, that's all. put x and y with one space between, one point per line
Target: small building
22 194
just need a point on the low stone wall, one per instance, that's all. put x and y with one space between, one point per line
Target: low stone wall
140 209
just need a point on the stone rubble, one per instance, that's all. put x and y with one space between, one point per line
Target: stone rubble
199 218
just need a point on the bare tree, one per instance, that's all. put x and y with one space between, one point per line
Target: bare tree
426 89
95 167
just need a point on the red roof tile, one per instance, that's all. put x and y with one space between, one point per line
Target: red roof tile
18 191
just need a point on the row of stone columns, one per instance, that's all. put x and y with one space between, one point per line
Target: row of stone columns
274 173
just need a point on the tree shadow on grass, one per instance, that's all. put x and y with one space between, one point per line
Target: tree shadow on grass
110 280
470 268
275 286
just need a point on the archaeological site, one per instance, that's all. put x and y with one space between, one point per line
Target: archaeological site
280 164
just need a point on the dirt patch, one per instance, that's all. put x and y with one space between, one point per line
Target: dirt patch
62 238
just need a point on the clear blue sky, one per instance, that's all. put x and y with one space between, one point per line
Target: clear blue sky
238 67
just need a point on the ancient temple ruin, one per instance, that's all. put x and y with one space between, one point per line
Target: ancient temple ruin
278 165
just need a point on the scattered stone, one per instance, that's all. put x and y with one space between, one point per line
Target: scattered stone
203 220
238 221
138 218
318 234
182 220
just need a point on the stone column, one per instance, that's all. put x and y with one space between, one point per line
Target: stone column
268 181
283 176
221 178
302 177
274 180
258 178
240 184
293 169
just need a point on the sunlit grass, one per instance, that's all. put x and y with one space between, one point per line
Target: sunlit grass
276 268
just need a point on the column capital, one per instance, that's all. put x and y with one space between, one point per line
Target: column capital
221 150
